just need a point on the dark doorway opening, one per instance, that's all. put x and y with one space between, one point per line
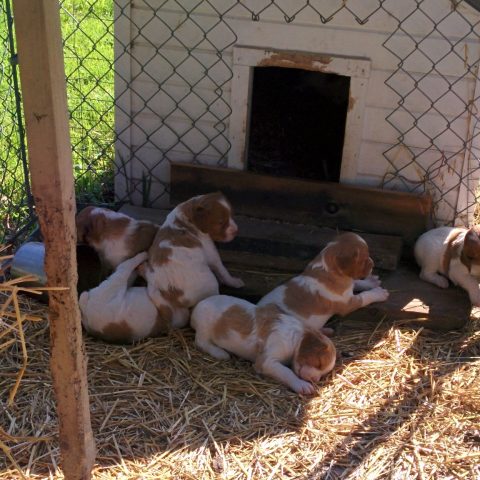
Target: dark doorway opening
297 123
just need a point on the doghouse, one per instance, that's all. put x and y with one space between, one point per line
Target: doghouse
368 94
363 119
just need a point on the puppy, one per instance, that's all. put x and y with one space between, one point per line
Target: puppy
117 313
183 262
267 337
326 287
451 253
113 235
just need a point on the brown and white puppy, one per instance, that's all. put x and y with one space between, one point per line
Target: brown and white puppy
113 235
117 313
184 266
326 287
269 338
451 253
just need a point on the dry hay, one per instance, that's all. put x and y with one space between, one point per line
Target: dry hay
400 404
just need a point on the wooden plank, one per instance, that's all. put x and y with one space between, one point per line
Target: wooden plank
42 74
283 246
418 303
312 203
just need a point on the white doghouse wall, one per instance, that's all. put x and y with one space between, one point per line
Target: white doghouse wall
184 73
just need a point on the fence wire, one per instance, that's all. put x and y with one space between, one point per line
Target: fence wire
149 82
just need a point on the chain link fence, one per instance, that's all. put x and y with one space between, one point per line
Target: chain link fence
150 82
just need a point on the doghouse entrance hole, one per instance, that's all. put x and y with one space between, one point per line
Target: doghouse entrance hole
297 123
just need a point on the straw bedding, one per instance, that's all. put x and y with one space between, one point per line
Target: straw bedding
400 404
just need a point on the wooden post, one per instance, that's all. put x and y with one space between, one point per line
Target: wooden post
42 73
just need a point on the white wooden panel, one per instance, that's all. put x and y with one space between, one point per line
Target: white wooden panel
240 119
373 162
380 21
149 158
176 132
176 28
189 68
179 100
469 187
456 92
377 129
122 81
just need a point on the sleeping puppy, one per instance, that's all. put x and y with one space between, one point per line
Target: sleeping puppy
267 337
117 313
451 253
326 287
184 266
113 235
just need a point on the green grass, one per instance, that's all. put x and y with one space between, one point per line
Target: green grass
87 30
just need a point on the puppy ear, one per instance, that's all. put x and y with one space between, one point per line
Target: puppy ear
89 225
473 236
82 222
347 261
471 247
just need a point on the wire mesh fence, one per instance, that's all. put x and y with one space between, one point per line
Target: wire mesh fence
150 82
16 203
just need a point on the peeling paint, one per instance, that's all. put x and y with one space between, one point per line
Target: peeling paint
297 60
351 103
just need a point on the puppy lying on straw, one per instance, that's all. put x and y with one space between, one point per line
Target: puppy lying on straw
267 337
117 313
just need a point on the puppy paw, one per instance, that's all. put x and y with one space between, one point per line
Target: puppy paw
220 355
303 387
235 282
435 278
379 294
442 282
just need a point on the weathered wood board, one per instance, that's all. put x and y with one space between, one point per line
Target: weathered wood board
415 302
42 74
283 246
311 203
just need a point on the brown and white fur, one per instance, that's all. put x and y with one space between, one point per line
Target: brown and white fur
326 287
113 235
184 266
117 313
269 338
451 253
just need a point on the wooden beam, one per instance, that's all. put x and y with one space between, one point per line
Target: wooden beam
282 246
42 74
293 200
